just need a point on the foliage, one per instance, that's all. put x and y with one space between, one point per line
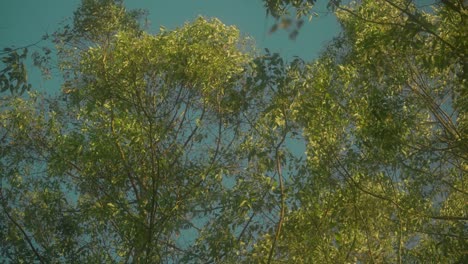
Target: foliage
14 76
385 142
181 147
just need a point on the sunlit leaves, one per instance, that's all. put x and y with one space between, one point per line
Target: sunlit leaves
95 20
373 110
205 56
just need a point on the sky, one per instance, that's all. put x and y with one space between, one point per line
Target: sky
23 22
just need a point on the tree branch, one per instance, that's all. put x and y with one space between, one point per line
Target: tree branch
25 235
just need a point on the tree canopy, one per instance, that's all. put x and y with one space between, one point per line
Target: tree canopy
178 147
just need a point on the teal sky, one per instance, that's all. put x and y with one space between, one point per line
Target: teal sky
23 22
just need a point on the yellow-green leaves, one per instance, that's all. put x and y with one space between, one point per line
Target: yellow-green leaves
205 56
208 52
97 20
374 108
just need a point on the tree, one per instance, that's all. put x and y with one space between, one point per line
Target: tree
384 114
141 147
177 147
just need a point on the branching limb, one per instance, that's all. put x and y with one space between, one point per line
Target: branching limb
20 228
